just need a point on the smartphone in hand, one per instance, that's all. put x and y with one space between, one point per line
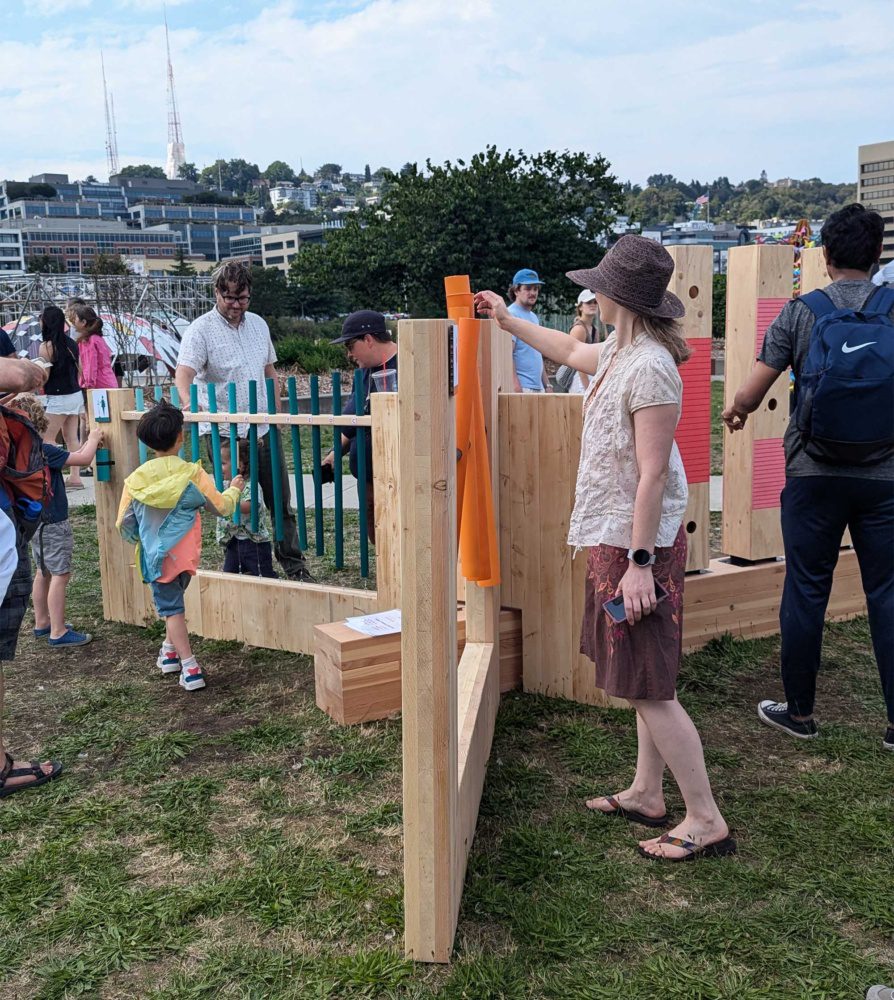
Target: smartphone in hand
615 607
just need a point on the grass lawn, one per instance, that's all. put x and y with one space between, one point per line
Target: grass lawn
233 843
717 429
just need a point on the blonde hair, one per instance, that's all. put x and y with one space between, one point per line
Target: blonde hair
33 409
669 334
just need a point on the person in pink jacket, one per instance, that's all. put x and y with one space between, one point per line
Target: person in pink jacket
96 358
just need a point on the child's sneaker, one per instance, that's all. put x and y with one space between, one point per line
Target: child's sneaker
168 663
192 678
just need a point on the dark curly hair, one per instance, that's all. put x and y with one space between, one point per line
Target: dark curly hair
852 237
160 427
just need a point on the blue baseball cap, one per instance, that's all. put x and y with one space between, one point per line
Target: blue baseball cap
526 277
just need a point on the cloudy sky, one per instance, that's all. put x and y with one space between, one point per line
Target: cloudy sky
695 88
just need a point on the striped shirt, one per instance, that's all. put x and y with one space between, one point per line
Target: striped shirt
220 353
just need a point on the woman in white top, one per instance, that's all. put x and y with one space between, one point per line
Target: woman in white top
588 328
629 505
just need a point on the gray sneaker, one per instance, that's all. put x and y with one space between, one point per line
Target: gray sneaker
888 741
776 714
880 993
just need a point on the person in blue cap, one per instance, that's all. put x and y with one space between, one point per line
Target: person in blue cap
527 362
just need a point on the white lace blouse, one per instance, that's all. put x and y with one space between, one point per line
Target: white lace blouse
608 474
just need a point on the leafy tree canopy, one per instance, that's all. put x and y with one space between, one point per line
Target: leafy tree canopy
188 172
271 295
104 263
211 198
329 172
142 170
43 263
182 268
487 218
230 175
279 170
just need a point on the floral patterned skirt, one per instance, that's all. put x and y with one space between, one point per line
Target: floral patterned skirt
640 660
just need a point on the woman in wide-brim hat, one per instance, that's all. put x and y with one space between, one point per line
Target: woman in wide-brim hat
628 511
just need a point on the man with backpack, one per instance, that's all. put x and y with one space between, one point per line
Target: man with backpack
839 451
15 588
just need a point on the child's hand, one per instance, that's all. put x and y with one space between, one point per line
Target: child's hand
96 435
238 482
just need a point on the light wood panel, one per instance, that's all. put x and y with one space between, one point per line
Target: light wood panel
386 479
759 282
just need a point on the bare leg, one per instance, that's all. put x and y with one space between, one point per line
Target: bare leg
645 794
46 767
56 604
178 636
677 741
70 435
54 427
39 591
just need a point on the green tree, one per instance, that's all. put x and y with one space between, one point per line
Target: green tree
329 172
487 218
182 268
230 175
279 170
142 170
106 263
367 174
43 263
188 172
270 293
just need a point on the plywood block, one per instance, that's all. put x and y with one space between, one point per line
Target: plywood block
385 442
697 523
693 283
358 676
813 270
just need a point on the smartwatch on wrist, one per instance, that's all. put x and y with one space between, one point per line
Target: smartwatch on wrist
641 557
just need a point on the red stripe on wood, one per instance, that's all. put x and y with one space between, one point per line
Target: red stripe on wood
767 311
768 473
693 434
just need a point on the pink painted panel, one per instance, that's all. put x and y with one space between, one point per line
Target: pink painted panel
768 473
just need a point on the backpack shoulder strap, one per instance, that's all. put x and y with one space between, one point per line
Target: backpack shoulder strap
880 301
819 303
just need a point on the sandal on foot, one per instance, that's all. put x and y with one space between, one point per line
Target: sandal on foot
33 768
718 849
629 814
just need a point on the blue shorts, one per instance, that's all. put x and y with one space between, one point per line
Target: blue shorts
168 597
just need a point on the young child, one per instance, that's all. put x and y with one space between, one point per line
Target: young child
159 512
245 551
53 542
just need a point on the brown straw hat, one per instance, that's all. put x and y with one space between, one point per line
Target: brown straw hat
635 273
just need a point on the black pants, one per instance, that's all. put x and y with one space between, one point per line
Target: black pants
241 555
815 512
288 551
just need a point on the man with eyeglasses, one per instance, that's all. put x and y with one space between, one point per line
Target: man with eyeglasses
230 344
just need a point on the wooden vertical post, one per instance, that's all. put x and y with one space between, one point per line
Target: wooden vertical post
428 640
124 599
386 479
813 270
692 283
759 283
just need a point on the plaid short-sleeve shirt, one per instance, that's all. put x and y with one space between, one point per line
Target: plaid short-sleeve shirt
221 353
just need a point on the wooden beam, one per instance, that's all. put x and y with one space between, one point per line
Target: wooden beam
428 640
283 419
386 483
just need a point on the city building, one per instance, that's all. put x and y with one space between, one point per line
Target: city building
76 243
12 253
303 195
204 229
160 267
246 247
279 247
875 187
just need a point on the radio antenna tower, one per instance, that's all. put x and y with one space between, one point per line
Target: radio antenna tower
176 149
111 130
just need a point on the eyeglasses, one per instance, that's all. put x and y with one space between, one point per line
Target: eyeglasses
231 300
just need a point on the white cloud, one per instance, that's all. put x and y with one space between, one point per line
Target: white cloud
792 90
53 8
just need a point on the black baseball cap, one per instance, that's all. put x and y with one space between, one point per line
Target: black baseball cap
360 323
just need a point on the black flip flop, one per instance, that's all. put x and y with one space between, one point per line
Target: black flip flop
33 768
631 815
719 849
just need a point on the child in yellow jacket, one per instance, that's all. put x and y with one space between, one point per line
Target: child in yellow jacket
159 512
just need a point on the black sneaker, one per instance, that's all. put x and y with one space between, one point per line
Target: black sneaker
888 741
775 713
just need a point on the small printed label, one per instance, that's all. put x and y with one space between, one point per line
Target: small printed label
101 406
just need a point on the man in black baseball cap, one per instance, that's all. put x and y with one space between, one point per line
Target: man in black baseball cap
369 345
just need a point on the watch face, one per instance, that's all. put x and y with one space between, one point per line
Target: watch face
642 557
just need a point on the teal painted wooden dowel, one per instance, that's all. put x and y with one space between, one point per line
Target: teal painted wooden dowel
317 461
276 473
337 475
159 393
140 403
175 401
234 444
194 428
298 465
215 438
253 453
359 408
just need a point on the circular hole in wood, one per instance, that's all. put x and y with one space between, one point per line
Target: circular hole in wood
700 313
690 527
773 403
693 292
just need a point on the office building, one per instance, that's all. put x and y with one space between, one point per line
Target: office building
12 253
875 187
278 249
204 229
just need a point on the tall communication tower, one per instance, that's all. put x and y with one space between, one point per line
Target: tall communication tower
176 149
111 130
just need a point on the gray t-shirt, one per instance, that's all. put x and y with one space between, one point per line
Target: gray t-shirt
785 346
